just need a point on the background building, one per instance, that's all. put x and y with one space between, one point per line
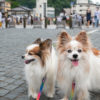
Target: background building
42 10
20 11
41 7
4 6
50 12
81 7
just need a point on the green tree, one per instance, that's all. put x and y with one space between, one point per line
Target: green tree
57 4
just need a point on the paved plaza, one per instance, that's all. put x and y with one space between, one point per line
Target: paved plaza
12 46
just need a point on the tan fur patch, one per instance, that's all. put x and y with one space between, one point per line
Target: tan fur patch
38 41
63 39
85 49
82 37
96 52
42 51
45 50
34 50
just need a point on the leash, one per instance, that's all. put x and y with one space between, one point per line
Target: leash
41 87
72 92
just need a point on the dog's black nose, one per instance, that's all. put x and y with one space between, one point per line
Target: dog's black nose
75 56
23 57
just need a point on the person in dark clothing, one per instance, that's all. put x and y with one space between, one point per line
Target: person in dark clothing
24 22
88 16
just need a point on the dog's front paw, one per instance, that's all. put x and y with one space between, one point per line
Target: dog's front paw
31 98
50 95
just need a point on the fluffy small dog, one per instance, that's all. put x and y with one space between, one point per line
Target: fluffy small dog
40 60
77 63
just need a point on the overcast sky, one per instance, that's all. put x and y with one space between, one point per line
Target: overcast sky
96 1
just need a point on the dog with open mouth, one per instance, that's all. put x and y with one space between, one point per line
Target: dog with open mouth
74 65
40 62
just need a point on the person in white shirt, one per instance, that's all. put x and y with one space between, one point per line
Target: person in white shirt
0 16
3 22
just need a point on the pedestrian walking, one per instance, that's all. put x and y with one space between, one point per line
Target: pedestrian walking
93 21
3 22
96 15
0 20
88 17
79 19
24 22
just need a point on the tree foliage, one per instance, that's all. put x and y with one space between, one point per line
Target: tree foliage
57 4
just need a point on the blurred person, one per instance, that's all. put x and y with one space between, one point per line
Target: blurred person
70 22
3 22
21 19
74 18
82 20
0 19
6 21
24 21
79 19
16 20
59 19
31 20
88 17
93 21
96 15
9 20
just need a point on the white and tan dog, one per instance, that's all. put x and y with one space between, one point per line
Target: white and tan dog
77 63
40 60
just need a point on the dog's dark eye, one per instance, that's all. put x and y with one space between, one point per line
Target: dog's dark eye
69 51
79 50
30 53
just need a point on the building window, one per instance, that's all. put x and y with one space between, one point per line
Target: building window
80 10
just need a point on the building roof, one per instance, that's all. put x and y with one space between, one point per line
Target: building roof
21 8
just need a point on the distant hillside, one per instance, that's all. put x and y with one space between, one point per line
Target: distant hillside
57 4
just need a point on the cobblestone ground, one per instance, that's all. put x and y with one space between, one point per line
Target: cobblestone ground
12 46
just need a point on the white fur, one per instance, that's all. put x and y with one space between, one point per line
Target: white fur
94 79
69 73
35 72
32 46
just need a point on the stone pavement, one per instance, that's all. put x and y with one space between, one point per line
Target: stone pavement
12 46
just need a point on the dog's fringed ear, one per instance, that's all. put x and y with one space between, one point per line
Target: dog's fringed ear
46 44
37 41
83 38
64 38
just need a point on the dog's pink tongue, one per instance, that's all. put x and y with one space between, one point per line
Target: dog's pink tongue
26 62
75 63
